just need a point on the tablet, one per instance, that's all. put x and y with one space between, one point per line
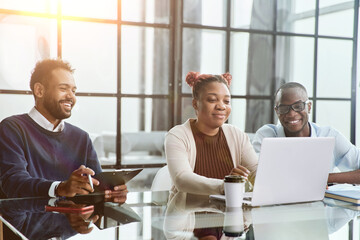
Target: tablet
109 179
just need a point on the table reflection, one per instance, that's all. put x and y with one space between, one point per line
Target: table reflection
149 215
190 216
293 221
28 216
339 213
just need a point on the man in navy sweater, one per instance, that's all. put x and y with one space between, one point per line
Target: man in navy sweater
40 154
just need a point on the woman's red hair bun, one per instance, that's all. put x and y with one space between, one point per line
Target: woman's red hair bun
227 76
192 78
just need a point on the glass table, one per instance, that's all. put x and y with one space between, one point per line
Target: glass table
155 215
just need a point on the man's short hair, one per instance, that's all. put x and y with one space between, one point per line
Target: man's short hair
289 85
43 69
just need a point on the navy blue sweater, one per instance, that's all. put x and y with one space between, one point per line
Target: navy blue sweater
32 158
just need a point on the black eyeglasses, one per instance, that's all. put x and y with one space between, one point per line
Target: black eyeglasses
297 107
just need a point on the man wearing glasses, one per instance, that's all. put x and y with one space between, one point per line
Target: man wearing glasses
293 108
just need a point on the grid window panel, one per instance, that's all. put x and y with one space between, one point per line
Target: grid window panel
303 6
18 57
334 68
94 114
329 23
331 3
13 104
238 113
249 14
144 114
203 51
251 57
149 11
187 110
38 6
205 12
239 43
91 48
145 60
335 114
295 60
297 16
90 8
258 113
306 25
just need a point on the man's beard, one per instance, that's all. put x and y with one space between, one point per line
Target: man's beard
54 108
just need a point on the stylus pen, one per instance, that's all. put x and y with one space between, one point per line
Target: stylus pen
90 224
90 181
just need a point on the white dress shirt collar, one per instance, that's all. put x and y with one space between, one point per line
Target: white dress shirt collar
44 123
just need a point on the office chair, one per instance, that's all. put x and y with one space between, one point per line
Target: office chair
162 180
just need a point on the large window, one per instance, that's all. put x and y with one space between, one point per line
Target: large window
131 58
121 51
266 43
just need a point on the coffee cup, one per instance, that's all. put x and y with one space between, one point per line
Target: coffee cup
234 186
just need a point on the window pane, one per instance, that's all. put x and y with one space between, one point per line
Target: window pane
251 57
144 114
238 113
295 60
18 57
239 44
305 25
150 11
91 48
296 16
187 110
40 6
336 22
13 104
205 12
90 8
203 51
258 113
94 114
335 114
145 65
329 3
334 68
246 14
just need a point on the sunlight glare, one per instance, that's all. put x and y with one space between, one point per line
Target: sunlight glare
39 6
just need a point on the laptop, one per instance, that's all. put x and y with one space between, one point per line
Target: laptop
291 170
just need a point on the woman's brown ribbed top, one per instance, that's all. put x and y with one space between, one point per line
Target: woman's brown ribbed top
213 158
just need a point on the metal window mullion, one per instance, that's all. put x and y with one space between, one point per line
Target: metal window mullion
316 39
227 37
179 28
118 97
354 74
172 64
59 29
273 80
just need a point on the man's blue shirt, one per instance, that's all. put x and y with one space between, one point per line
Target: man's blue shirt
346 155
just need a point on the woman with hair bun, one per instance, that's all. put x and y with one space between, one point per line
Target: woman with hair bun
202 151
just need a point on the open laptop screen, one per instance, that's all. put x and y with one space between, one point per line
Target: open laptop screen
292 170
